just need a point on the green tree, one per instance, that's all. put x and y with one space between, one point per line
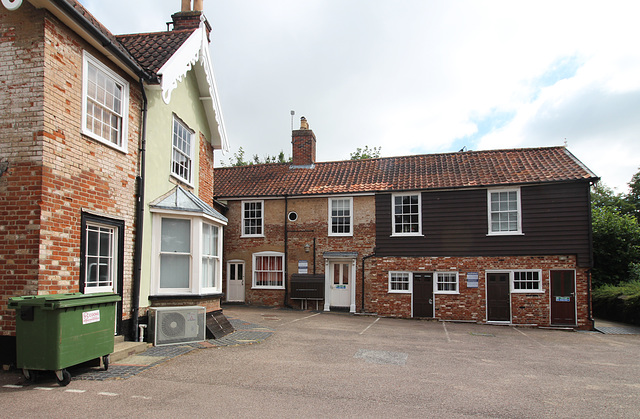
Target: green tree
604 197
616 246
366 153
238 159
633 198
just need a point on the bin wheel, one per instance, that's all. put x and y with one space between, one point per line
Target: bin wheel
63 377
105 362
29 375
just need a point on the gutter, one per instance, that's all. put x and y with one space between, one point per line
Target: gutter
137 256
107 43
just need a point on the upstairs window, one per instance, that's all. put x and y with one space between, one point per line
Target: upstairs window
504 211
252 218
105 104
340 217
182 151
406 214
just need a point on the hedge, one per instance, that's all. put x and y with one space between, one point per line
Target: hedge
618 302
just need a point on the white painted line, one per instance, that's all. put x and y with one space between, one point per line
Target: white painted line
524 334
446 332
74 391
104 393
367 328
141 397
304 318
12 386
43 388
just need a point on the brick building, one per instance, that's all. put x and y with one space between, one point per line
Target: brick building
90 122
71 123
499 236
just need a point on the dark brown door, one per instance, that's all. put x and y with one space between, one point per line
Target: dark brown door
563 298
498 297
422 294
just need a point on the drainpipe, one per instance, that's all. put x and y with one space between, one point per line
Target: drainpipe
286 250
364 258
137 261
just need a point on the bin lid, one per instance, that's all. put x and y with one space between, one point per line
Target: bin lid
56 301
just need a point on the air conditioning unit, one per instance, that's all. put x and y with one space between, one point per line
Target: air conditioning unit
174 325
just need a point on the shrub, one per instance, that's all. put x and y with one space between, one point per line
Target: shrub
618 302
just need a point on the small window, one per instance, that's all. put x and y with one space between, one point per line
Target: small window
252 218
527 281
182 151
105 104
268 270
293 216
504 211
340 217
446 282
407 214
400 282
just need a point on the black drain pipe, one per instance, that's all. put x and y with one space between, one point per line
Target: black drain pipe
286 250
364 258
137 258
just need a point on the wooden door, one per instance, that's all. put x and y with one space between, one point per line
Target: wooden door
422 294
235 281
498 297
563 298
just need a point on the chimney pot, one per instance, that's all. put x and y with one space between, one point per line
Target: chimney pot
303 123
186 6
197 5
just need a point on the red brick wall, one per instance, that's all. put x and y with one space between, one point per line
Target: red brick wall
311 223
205 175
55 173
469 304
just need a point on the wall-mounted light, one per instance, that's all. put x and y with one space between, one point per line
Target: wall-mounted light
307 248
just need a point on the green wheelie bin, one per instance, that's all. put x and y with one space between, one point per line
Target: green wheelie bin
54 332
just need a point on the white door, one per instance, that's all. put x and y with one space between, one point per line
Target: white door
235 281
100 258
340 288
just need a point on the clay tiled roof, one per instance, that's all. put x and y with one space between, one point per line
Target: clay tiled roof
421 172
153 50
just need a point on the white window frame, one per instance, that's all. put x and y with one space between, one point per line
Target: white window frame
436 282
261 234
393 214
409 276
177 123
518 230
215 259
253 270
512 280
330 216
196 286
111 259
89 60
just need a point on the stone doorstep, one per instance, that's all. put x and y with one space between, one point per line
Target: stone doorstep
122 349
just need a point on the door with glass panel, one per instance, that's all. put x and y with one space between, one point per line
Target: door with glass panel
235 281
100 258
341 282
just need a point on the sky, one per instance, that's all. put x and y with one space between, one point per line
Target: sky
420 76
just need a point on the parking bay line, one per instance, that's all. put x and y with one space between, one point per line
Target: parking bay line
367 328
303 318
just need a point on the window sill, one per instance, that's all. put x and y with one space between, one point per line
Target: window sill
407 235
103 141
447 292
184 296
527 291
267 288
399 292
515 233
252 236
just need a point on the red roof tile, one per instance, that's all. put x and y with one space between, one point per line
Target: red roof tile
421 172
153 50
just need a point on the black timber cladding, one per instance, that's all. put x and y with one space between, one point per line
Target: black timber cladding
555 221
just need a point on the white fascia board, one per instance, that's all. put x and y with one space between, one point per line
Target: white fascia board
193 51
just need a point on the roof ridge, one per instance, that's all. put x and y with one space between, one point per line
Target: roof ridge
156 33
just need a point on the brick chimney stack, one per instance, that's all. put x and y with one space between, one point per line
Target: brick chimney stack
304 145
188 18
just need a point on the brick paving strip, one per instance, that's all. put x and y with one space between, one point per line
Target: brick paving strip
245 334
